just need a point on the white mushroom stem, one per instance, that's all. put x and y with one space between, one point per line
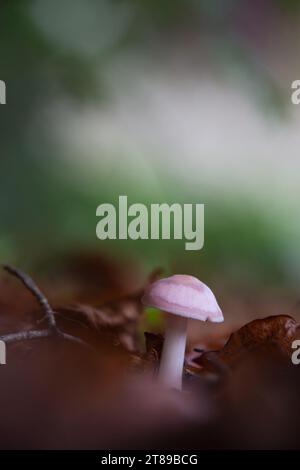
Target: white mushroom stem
172 358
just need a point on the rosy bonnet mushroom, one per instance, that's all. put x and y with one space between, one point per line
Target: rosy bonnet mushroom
182 297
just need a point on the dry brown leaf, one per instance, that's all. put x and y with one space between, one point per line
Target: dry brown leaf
275 333
119 317
150 359
154 344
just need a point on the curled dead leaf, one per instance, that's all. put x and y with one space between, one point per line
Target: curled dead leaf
119 317
274 333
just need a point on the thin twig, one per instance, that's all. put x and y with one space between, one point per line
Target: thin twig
52 330
24 335
74 339
36 292
38 334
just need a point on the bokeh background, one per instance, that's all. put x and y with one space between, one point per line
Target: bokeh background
182 101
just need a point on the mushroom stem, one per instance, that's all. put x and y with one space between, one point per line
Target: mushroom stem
172 358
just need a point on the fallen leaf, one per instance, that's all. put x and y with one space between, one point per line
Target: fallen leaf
271 333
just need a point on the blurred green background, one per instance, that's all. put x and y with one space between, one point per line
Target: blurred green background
182 101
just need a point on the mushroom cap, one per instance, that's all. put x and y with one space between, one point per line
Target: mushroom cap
185 296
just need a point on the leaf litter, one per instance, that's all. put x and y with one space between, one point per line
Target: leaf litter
57 394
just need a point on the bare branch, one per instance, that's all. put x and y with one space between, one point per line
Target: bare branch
24 335
74 339
36 292
52 331
38 334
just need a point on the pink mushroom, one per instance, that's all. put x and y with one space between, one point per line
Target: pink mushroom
182 297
